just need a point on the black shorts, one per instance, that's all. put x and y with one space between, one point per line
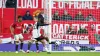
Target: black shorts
39 38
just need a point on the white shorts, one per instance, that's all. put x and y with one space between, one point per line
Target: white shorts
18 36
35 33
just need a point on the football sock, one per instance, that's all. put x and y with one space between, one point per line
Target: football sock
16 47
29 45
37 47
21 46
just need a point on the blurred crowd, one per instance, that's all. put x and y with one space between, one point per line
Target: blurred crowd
55 16
67 16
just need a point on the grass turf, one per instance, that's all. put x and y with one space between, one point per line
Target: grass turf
52 54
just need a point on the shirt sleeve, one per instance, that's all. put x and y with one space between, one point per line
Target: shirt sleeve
13 25
41 24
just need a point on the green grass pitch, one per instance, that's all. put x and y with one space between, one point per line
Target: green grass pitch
52 54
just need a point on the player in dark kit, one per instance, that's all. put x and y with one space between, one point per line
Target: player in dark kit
44 21
16 30
37 36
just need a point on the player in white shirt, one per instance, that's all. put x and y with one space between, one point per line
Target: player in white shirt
37 36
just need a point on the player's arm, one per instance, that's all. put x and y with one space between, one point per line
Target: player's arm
41 24
12 29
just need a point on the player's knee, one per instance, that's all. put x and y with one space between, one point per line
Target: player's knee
43 42
16 42
36 43
21 40
30 41
47 39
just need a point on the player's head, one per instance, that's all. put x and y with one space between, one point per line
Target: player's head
19 18
30 25
90 15
27 13
35 19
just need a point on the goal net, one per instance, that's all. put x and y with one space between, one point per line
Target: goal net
75 25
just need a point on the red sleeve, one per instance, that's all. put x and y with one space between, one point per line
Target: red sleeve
23 25
13 25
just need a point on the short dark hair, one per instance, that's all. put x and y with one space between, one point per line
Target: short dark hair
19 16
27 11
90 15
29 25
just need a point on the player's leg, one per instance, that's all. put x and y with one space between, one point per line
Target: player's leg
29 45
37 46
44 42
46 37
21 40
16 42
21 44
46 33
36 35
47 43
